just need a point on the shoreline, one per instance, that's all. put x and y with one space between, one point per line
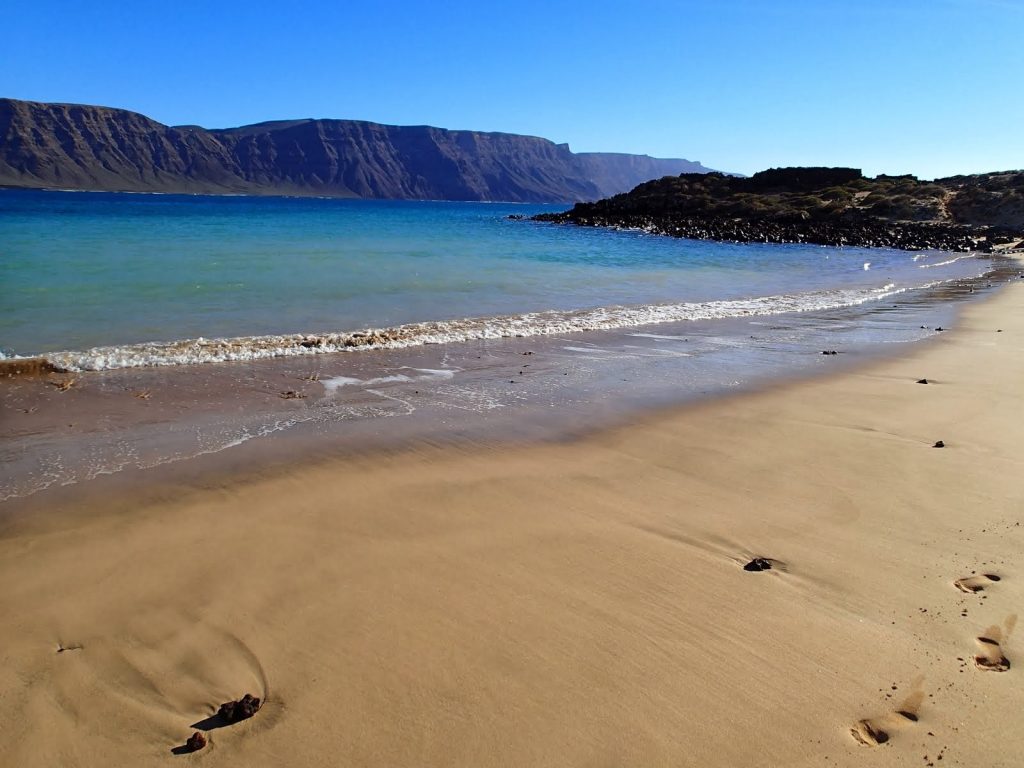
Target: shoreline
72 429
526 325
571 603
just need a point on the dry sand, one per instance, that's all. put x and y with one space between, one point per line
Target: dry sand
562 605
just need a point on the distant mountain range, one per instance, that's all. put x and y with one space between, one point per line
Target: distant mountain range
71 146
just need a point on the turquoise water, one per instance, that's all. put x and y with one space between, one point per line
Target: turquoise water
131 287
84 270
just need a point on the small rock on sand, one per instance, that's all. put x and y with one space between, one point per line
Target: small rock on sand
195 742
244 708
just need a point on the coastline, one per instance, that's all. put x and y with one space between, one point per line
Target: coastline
562 604
66 429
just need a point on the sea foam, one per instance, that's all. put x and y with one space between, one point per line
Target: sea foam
202 350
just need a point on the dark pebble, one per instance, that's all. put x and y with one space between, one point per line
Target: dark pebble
758 564
243 709
195 742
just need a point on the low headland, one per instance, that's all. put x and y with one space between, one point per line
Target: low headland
823 206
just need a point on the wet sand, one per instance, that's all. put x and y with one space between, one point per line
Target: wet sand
71 428
579 603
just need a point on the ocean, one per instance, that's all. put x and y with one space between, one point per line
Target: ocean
93 279
190 325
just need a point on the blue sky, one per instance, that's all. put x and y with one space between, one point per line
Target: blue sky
931 87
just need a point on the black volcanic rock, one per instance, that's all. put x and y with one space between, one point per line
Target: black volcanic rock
235 711
823 206
798 179
69 146
195 742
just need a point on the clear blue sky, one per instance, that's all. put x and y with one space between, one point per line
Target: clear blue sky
931 87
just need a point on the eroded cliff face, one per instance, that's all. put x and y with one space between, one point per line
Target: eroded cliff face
78 147
71 146
622 172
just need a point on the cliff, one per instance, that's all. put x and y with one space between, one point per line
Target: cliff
827 206
70 146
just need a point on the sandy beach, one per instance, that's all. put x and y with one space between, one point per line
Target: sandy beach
574 604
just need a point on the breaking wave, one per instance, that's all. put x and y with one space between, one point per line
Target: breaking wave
551 322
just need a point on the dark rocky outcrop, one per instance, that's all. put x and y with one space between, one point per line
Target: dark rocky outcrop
824 206
70 146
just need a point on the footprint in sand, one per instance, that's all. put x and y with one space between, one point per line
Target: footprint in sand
972 584
874 731
991 658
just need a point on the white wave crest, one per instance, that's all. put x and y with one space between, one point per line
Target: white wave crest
201 350
947 262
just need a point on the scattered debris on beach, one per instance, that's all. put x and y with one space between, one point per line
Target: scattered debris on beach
64 386
291 394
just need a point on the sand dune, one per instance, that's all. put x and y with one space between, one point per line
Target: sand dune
555 605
